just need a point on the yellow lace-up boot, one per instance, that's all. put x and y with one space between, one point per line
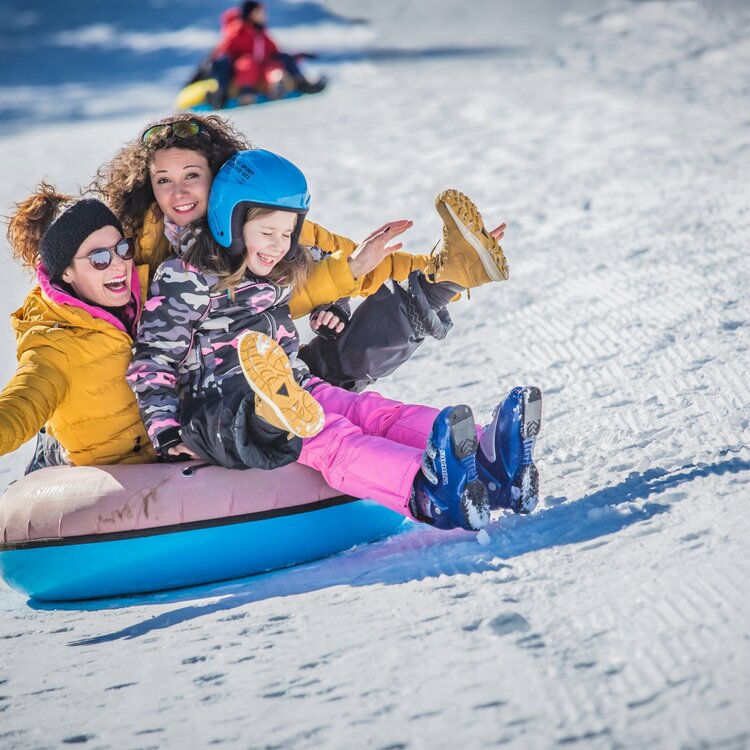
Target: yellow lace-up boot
279 400
470 256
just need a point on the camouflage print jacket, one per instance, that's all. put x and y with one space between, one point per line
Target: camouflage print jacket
186 342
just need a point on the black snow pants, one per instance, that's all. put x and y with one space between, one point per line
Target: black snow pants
384 331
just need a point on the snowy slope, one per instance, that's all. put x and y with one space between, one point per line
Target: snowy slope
613 136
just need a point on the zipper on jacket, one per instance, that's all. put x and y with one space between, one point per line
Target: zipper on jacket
201 366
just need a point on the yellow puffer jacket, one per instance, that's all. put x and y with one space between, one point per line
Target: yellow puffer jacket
330 280
71 378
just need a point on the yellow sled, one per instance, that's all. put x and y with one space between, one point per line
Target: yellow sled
195 94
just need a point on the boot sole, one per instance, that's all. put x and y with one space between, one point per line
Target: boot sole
267 369
466 217
475 506
464 439
525 483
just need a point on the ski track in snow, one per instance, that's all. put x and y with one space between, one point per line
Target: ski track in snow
616 615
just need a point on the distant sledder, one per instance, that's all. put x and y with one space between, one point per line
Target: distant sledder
246 67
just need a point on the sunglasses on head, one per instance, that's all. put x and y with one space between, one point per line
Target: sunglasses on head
179 129
101 258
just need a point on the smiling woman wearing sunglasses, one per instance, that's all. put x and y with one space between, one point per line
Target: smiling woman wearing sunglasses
74 334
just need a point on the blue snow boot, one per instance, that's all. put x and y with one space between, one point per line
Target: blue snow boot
447 491
504 458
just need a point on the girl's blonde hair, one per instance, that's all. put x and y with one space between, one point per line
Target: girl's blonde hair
209 257
124 183
31 220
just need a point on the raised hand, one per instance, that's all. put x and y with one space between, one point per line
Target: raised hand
374 247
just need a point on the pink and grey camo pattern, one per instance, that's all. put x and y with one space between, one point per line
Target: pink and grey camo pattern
187 338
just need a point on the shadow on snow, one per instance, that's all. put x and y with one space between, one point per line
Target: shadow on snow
420 552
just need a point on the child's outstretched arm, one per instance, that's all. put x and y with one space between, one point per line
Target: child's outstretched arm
179 299
342 272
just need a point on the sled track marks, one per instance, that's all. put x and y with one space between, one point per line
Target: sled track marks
651 348
660 641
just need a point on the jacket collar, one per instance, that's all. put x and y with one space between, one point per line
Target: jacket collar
59 296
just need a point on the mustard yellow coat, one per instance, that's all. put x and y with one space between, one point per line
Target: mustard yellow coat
330 280
71 378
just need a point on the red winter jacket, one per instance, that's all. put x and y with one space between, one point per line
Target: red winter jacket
239 39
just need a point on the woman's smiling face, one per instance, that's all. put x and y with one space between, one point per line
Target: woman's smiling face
181 180
107 288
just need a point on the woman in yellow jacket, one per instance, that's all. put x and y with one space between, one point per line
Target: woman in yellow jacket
74 334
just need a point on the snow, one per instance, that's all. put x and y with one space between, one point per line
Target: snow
613 137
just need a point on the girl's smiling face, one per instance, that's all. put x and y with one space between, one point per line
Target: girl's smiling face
107 288
267 239
181 180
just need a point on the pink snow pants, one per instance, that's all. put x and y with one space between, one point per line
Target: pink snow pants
370 446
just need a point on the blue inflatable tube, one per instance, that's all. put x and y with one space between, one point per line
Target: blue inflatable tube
164 556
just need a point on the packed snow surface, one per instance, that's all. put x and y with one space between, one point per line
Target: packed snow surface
614 138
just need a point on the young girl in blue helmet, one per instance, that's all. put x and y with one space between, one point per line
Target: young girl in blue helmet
217 375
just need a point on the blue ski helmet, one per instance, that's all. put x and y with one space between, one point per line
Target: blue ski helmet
254 178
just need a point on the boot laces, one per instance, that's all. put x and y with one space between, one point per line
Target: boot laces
439 258
438 264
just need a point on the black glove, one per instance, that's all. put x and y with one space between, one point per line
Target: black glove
329 334
167 439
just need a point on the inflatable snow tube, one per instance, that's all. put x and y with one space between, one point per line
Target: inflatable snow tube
97 531
194 97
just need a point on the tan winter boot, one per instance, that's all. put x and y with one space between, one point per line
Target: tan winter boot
279 400
470 255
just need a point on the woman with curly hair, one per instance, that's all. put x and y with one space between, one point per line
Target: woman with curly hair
139 197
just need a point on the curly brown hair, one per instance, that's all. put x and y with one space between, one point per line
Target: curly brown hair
28 224
124 183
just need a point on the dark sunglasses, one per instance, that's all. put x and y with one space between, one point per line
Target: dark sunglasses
101 258
179 129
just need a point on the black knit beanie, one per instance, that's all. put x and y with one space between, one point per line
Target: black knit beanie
68 231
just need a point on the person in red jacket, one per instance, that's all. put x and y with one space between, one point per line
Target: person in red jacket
247 57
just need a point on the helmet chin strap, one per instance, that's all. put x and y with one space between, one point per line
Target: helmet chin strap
294 240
